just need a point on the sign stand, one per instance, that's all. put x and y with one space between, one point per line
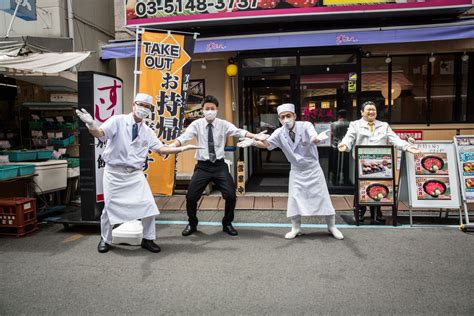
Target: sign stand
428 180
464 145
375 179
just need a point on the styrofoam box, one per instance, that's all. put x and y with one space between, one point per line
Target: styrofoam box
130 233
73 172
52 175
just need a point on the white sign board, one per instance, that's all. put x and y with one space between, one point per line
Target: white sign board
430 179
108 96
324 128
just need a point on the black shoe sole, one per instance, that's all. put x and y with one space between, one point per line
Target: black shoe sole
152 250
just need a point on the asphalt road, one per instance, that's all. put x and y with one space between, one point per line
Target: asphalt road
372 271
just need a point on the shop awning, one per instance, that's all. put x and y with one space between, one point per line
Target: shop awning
345 37
50 70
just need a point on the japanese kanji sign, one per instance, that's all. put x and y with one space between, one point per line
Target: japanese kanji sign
165 64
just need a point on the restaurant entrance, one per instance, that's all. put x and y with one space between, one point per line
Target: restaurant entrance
323 88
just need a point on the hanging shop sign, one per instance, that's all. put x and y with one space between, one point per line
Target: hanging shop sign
102 96
465 158
26 9
430 179
165 65
193 12
352 83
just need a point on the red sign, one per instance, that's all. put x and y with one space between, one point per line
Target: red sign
405 134
170 12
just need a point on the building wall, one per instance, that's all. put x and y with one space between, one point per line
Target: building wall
50 21
93 27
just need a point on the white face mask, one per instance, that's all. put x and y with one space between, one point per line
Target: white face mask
142 112
288 122
210 114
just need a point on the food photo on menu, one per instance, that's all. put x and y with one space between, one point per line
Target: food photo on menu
375 166
433 188
375 192
431 164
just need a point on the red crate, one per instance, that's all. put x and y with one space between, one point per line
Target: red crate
17 212
19 231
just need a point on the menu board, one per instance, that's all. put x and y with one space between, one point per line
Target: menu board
465 156
430 176
374 176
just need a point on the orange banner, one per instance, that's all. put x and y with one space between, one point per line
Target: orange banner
165 64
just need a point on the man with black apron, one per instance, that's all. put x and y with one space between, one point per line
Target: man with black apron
211 134
127 195
308 193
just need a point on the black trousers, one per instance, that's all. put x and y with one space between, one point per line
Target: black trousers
205 172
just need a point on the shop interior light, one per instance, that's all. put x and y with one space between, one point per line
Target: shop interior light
203 65
432 59
465 57
388 60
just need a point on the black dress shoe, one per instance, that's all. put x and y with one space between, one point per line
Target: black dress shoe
103 247
150 245
361 216
229 229
379 219
189 230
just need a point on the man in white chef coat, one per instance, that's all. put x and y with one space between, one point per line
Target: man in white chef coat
308 194
126 191
369 131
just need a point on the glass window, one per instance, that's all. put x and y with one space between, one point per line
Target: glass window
269 62
375 84
464 82
409 75
443 89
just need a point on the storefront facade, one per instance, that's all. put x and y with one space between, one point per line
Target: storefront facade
418 75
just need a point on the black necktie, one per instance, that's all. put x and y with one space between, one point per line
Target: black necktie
292 136
210 144
134 131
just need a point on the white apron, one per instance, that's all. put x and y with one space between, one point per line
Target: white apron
308 194
127 196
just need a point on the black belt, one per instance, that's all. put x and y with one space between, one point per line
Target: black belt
208 162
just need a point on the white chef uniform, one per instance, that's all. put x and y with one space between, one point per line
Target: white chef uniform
308 194
359 133
126 191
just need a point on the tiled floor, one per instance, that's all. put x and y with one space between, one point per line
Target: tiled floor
213 202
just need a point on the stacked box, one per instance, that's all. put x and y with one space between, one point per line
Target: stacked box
17 216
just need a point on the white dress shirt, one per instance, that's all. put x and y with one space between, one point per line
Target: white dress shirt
301 153
221 129
359 133
121 151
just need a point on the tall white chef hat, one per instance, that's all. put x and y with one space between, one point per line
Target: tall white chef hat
286 107
143 97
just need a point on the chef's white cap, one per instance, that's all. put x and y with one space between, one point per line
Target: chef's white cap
143 97
286 107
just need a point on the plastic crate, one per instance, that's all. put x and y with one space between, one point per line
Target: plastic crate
69 125
72 162
25 170
22 155
17 212
44 154
36 124
19 231
60 142
8 172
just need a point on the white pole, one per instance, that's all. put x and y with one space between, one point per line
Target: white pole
13 17
135 71
70 23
